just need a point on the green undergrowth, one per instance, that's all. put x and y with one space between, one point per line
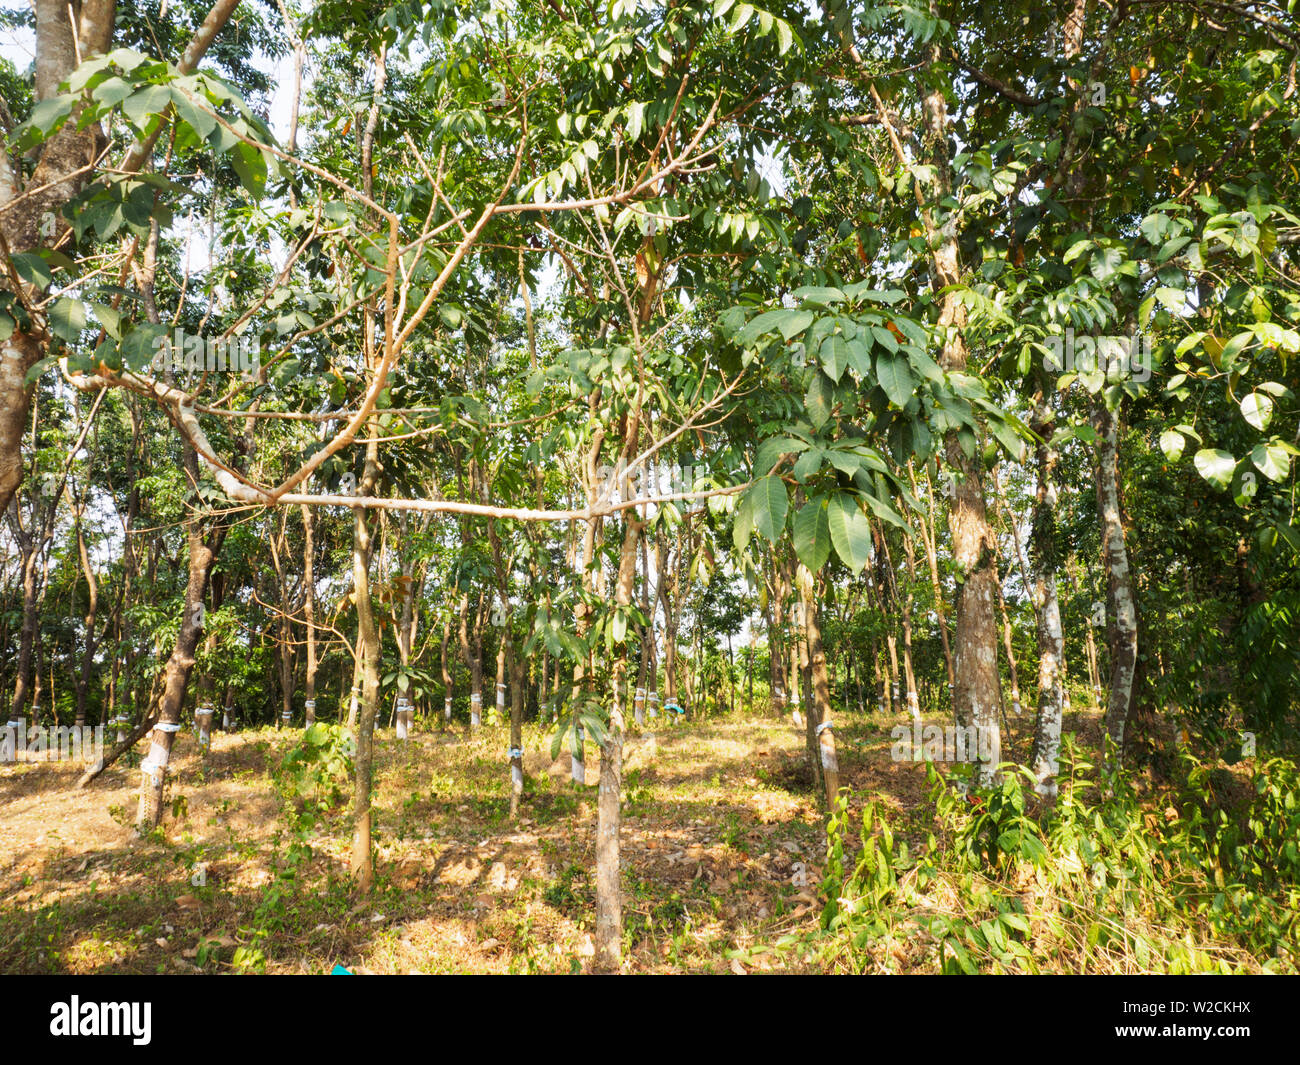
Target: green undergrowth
1202 875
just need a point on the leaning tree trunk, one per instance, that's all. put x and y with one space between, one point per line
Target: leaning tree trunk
203 553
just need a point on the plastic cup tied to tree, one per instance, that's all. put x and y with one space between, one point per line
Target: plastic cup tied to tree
405 717
203 720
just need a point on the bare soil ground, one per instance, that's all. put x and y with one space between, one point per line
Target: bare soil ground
723 848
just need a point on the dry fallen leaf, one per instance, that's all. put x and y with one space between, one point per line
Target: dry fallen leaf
737 968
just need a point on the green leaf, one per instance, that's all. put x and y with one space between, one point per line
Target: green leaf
819 399
835 356
1257 409
1172 444
739 17
109 317
32 268
635 120
784 36
812 535
149 102
860 355
849 530
112 91
884 511
1075 250
895 377
1271 460
924 365
37 368
771 450
67 318
46 118
1004 430
743 526
196 117
809 463
790 323
1105 263
1215 466
794 323
1173 298
885 338
821 297
250 165
770 502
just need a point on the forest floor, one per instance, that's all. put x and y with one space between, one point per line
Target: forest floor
723 848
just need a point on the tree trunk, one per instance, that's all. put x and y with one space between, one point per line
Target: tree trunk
362 864
1122 612
446 671
928 536
609 885
1051 639
92 604
517 668
309 610
976 691
203 554
820 707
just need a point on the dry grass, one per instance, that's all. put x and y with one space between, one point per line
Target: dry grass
717 814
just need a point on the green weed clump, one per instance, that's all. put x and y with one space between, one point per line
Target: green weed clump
1199 877
311 781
